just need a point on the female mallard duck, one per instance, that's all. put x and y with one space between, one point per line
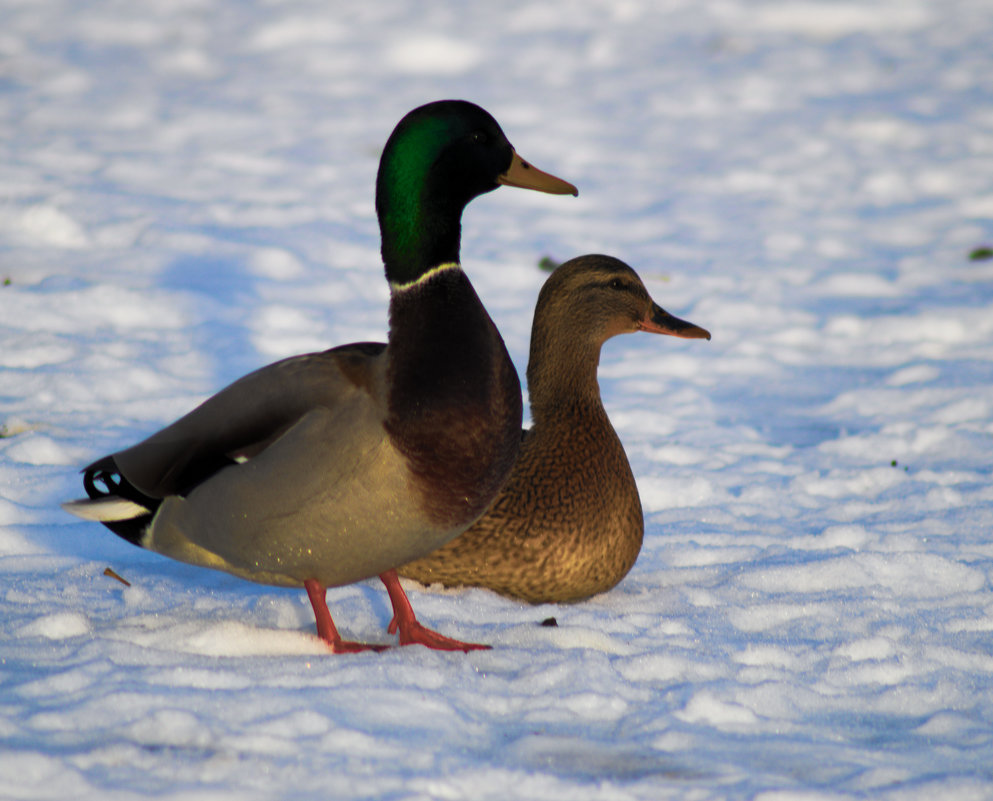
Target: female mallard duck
568 523
325 469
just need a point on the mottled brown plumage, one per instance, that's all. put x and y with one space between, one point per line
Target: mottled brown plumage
568 523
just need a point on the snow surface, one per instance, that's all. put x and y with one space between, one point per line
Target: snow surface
187 194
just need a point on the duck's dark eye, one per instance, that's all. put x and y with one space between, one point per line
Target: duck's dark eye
477 138
616 283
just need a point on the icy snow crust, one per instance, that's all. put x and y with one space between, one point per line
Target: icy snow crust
188 194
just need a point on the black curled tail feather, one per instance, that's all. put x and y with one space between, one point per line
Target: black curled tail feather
104 479
104 472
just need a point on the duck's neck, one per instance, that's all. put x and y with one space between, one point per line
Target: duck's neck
562 381
420 226
413 248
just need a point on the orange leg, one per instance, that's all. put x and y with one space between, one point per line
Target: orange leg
412 632
325 625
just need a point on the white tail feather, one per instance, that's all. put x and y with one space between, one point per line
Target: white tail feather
105 510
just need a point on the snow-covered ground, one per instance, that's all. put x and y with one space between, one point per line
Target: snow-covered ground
186 193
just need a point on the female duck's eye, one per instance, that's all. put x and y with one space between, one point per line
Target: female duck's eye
617 283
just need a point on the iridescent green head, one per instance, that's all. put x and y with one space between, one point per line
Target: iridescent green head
438 158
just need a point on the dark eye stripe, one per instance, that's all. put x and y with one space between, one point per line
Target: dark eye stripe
616 284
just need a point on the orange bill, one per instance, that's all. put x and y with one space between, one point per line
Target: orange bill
526 176
659 321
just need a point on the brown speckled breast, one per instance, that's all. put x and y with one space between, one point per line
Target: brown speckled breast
567 525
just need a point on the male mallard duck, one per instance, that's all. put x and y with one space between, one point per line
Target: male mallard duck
568 523
325 469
